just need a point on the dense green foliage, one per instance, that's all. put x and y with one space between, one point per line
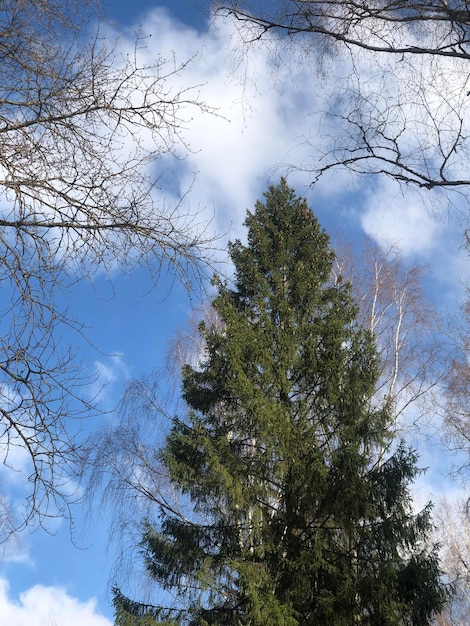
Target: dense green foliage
299 517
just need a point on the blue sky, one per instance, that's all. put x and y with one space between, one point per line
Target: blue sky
262 126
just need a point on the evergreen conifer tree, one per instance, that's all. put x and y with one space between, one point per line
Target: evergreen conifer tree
298 517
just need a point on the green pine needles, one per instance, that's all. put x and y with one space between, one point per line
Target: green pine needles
299 517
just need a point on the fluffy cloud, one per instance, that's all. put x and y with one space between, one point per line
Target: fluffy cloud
269 116
263 118
389 216
47 606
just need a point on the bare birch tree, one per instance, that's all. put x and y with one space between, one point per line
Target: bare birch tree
84 125
395 85
406 325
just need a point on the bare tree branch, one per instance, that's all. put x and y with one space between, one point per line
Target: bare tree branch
84 124
400 107
453 535
389 26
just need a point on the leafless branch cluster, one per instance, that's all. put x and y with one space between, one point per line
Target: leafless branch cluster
394 26
398 101
123 459
83 126
453 535
80 127
456 405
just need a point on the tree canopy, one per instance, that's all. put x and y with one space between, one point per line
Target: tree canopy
295 500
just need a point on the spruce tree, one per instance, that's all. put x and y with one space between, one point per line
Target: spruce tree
298 517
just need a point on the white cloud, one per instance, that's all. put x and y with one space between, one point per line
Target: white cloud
47 606
270 114
261 121
389 216
108 372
